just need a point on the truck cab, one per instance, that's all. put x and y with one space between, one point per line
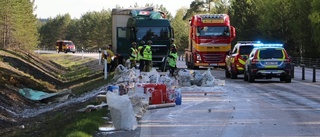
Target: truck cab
210 37
236 58
137 24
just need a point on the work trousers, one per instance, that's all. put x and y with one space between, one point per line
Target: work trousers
148 66
141 65
133 63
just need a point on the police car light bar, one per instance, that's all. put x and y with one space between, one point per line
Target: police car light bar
272 45
267 45
249 42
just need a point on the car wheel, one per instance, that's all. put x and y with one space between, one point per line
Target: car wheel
288 79
233 74
251 77
227 74
245 76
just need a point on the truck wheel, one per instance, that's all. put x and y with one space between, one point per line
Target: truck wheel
191 63
187 63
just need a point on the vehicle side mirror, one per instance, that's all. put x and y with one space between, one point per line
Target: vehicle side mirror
233 32
228 52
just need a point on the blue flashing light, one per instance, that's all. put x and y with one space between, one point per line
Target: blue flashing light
268 45
272 45
258 44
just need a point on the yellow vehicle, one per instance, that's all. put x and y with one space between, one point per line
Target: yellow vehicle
65 46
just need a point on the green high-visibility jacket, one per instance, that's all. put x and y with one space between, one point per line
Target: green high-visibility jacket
139 53
134 54
147 53
173 59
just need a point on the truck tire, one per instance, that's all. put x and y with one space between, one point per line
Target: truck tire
191 63
187 62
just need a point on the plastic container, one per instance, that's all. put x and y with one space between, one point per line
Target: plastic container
170 96
114 89
178 95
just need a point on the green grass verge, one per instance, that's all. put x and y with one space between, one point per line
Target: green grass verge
81 125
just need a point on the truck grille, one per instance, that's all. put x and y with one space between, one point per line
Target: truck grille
213 58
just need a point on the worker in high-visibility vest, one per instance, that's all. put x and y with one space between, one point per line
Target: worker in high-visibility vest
108 55
133 55
140 57
147 56
172 61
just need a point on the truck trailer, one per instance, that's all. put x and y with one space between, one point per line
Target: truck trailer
210 37
141 24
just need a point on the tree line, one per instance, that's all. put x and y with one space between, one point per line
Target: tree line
296 24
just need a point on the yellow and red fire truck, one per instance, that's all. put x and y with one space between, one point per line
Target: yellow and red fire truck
210 37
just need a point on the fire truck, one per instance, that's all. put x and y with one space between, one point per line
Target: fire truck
210 37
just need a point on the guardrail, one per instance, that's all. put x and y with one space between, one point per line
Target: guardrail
307 62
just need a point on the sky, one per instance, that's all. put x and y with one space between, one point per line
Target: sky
76 8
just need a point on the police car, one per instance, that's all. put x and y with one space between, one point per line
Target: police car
268 61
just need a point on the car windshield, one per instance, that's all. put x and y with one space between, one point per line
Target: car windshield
270 53
213 31
69 43
153 33
245 50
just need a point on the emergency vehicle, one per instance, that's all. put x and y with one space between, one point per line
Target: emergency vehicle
210 37
236 58
268 61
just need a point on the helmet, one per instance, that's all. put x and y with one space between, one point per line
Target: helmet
149 42
142 42
134 43
172 39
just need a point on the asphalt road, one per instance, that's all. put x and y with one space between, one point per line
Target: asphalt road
267 108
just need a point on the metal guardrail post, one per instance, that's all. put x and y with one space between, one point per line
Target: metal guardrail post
314 73
82 52
99 56
303 71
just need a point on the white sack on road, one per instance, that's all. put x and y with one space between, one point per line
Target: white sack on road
121 111
208 79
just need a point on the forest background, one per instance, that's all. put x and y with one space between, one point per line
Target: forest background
296 24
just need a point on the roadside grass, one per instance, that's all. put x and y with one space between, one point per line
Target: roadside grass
80 125
67 122
74 65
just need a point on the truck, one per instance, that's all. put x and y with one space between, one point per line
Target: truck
210 37
236 58
142 24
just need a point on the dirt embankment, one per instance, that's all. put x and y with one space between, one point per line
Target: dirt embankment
22 69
